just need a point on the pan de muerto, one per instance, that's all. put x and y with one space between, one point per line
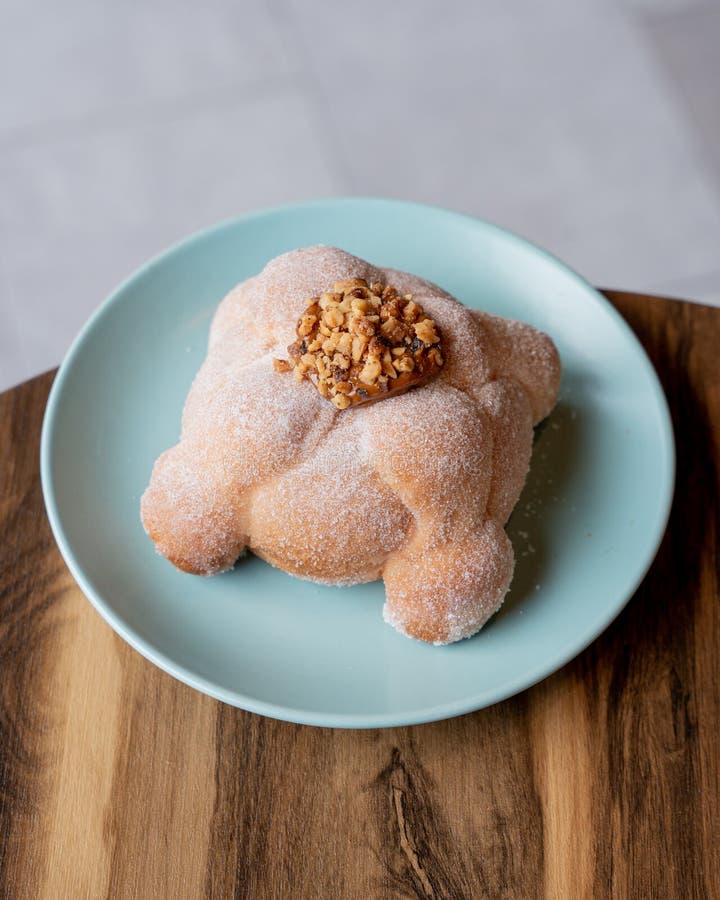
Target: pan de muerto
352 423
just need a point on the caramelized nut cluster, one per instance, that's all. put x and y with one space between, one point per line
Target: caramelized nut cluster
362 342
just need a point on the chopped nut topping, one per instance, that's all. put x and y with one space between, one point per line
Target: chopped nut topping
411 312
345 343
329 344
425 330
361 342
371 371
347 287
362 325
334 317
406 364
393 330
342 401
306 324
328 300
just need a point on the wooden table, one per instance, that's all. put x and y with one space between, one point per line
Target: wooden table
603 780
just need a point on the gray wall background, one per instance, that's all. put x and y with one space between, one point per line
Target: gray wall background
589 126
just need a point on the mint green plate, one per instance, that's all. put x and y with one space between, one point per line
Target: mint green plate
585 530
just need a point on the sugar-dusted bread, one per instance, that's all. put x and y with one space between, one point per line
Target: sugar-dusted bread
414 489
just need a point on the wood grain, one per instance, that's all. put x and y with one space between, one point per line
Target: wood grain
602 781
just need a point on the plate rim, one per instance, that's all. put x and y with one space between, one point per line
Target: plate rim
467 704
